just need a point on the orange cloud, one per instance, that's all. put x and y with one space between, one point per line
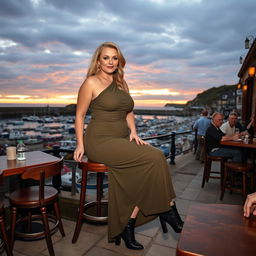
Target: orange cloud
49 101
147 69
156 103
163 91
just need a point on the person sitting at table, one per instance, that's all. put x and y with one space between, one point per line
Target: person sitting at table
229 127
250 205
249 129
214 136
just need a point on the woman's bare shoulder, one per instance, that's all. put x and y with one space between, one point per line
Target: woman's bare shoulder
90 82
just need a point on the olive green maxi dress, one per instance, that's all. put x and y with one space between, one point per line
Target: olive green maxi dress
139 174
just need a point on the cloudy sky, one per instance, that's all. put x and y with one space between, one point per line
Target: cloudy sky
174 48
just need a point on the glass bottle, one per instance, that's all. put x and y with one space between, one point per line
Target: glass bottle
21 149
246 139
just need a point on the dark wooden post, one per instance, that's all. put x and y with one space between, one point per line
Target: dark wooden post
56 152
73 178
172 149
56 180
195 142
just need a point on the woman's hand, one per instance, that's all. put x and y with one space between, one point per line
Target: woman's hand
243 133
79 153
250 205
139 141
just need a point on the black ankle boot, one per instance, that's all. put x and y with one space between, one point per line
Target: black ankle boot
128 236
173 218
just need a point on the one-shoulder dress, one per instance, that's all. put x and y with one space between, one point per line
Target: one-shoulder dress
139 174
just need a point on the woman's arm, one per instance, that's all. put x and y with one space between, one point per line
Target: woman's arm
83 102
131 123
133 135
230 137
250 124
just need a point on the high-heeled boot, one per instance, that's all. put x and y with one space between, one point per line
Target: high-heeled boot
129 237
173 218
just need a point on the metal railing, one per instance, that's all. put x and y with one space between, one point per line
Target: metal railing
172 136
72 164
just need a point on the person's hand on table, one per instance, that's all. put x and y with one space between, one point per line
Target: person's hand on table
236 136
250 205
243 133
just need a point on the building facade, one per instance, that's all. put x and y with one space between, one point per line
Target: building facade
247 85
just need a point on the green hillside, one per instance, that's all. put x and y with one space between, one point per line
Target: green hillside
207 97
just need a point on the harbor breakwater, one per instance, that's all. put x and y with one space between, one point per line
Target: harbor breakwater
16 112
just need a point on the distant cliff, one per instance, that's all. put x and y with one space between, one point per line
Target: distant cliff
175 105
208 97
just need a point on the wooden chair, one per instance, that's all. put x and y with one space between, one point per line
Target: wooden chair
37 198
207 168
208 165
99 204
5 244
233 168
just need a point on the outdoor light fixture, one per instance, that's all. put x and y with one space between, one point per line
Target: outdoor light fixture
239 86
248 41
251 71
241 59
244 87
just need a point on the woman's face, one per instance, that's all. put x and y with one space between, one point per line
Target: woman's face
108 60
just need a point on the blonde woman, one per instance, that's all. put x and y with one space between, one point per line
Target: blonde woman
140 188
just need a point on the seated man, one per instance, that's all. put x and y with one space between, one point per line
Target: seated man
233 126
229 127
214 136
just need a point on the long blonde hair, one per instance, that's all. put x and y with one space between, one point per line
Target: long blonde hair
118 75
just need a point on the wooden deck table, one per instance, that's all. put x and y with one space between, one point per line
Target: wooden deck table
241 144
248 149
34 158
217 230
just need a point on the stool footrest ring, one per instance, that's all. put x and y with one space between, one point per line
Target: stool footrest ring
90 211
35 234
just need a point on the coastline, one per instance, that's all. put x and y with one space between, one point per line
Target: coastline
32 147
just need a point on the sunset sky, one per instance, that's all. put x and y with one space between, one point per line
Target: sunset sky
174 49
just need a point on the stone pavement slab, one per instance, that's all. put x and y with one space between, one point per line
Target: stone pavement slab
158 250
144 240
65 248
149 229
98 251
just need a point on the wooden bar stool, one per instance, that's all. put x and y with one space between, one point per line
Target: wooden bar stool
232 168
99 204
5 244
207 168
36 201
